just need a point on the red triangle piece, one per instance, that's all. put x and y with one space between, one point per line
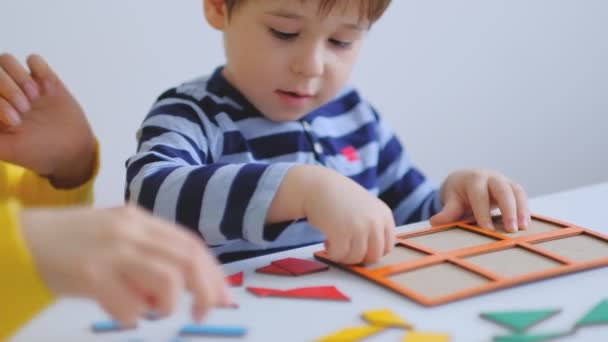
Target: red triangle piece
317 292
262 291
274 269
300 266
235 279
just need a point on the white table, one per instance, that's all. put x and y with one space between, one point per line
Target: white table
277 319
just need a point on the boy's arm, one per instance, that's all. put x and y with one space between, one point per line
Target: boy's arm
22 292
174 175
402 186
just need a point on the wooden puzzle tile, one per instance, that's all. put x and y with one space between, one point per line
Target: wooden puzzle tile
530 337
597 315
300 266
385 318
351 334
235 279
212 330
274 269
417 336
109 326
519 321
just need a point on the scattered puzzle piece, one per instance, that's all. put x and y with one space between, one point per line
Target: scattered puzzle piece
385 318
273 269
235 279
417 336
300 266
352 334
212 330
530 337
315 292
519 321
597 315
108 326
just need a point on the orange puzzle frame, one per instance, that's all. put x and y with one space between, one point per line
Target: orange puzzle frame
525 245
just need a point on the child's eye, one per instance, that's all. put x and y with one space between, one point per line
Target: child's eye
283 35
341 44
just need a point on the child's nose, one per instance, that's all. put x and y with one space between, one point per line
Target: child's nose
309 62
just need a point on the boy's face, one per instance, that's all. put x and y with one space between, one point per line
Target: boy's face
286 58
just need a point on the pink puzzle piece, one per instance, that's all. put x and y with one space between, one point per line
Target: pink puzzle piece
274 269
315 292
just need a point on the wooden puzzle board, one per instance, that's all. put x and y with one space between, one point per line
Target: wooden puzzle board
441 264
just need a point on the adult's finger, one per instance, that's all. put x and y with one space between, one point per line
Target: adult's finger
20 76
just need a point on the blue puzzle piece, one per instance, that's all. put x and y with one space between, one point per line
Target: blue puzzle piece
212 330
106 326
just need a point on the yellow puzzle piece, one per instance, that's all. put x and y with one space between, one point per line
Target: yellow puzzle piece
385 318
352 334
416 336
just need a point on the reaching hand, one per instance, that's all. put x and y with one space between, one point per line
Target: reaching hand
127 260
479 192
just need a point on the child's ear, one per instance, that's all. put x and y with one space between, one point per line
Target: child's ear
216 13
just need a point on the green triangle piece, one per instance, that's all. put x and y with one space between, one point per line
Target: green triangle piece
530 338
597 315
519 321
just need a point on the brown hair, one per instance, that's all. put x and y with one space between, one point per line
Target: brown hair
372 10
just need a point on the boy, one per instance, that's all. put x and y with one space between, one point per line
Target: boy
117 256
274 151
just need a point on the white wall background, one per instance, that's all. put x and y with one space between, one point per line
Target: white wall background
520 86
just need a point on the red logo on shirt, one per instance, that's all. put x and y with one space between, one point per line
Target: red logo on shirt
350 153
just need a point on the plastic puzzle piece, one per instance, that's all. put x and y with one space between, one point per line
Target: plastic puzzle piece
235 279
351 334
315 292
519 321
385 318
262 291
212 330
274 269
597 315
417 336
530 337
300 266
109 326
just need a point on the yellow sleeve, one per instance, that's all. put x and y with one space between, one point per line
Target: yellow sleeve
22 291
33 190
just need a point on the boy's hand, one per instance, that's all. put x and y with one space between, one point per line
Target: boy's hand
42 126
478 192
358 226
125 259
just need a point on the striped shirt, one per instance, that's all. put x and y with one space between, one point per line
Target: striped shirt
208 159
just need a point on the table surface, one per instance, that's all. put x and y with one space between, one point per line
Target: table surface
279 319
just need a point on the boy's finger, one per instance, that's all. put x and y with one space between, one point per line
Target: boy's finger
20 76
502 193
42 72
389 239
453 210
357 250
8 114
339 248
479 199
10 91
523 211
375 246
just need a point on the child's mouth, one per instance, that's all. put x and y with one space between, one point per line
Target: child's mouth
292 98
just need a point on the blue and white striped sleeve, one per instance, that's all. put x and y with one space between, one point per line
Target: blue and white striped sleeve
410 195
173 175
